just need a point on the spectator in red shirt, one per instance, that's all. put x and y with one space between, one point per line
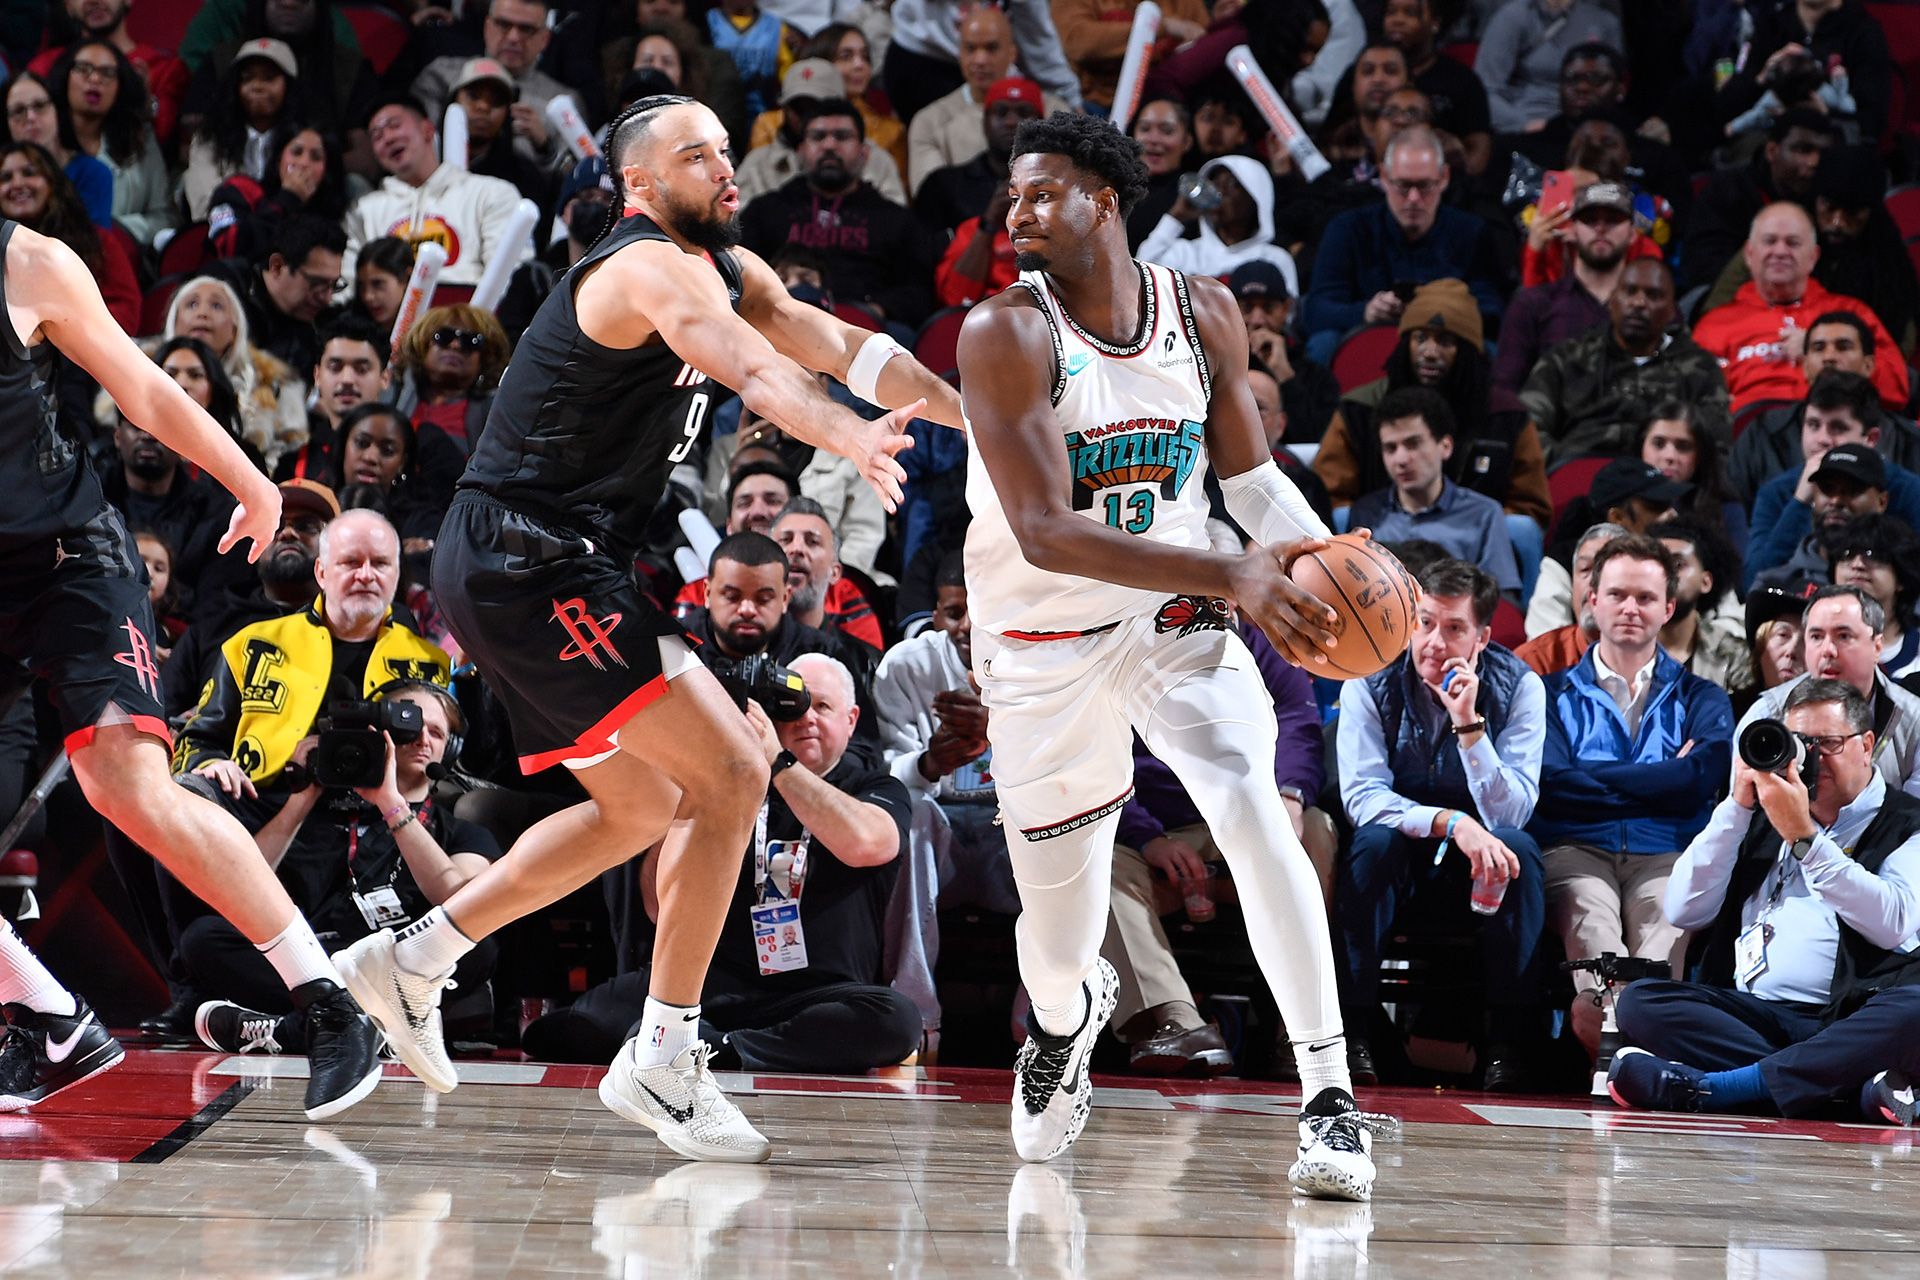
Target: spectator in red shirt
1759 336
166 75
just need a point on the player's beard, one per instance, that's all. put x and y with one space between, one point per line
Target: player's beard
1030 262
705 228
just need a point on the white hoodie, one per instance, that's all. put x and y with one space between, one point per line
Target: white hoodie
464 213
1209 255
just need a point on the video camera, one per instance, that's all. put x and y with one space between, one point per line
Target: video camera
1770 747
350 752
1617 970
781 693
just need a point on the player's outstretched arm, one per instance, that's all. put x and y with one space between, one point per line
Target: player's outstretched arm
823 342
1006 377
51 293
1265 503
654 287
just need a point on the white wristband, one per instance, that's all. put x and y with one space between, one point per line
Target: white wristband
872 357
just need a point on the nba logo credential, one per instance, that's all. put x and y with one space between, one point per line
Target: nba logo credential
590 637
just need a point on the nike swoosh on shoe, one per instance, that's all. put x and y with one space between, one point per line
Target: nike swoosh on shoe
57 1050
680 1115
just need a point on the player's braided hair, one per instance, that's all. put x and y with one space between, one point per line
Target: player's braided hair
1094 146
627 130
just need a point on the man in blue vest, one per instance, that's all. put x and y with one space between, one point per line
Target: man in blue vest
1637 748
1440 761
1805 902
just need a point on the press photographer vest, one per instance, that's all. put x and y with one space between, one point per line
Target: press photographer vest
1860 968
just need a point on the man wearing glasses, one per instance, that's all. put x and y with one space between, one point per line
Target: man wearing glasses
515 34
1804 892
1372 258
1843 631
1636 746
286 292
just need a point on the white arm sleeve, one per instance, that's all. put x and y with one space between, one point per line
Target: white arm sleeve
1268 506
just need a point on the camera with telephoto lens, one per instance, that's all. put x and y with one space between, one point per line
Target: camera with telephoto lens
1769 746
781 693
1614 969
351 752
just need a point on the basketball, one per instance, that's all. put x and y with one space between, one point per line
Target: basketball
1372 595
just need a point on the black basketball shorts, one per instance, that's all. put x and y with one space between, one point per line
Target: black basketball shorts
74 612
559 629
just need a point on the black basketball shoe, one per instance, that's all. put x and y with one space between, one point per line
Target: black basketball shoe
45 1053
224 1025
343 1048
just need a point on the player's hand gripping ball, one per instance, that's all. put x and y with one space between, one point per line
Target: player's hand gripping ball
1373 598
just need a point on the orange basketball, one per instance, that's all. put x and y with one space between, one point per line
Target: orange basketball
1372 595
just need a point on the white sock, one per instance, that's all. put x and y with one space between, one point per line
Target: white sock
297 956
665 1029
1323 1065
431 945
24 980
1063 1020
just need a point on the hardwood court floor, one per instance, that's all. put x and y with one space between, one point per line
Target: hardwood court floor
195 1164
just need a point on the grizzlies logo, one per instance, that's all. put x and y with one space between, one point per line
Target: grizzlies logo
1158 451
1187 614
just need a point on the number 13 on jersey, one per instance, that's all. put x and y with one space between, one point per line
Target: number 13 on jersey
1130 513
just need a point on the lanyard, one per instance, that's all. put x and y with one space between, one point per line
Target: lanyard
762 864
353 846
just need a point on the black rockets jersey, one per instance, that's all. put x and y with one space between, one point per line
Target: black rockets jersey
44 473
585 435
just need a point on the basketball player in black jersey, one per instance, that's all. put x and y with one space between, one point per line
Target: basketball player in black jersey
74 612
608 390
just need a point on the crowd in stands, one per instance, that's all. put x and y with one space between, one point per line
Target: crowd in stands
1599 314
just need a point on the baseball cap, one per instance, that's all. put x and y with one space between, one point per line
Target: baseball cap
591 172
310 496
275 51
1603 195
1765 603
1626 478
812 78
1259 279
1859 463
481 70
1016 89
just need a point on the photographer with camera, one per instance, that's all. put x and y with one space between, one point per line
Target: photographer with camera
1636 747
1802 50
1804 890
796 981
275 678
356 857
748 615
1842 632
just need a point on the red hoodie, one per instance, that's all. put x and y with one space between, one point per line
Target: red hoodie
1749 336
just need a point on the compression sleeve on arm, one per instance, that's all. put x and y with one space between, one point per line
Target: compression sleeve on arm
1269 507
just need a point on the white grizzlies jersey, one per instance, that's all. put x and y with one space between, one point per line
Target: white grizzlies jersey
1133 427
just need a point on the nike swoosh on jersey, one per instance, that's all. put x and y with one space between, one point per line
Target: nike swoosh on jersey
57 1050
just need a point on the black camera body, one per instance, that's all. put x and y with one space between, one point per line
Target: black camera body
1614 969
758 678
350 752
1770 747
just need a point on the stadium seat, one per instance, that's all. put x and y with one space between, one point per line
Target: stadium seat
1462 52
1509 624
1903 206
382 35
160 25
1901 22
1571 479
186 252
153 306
854 313
1362 356
939 340
451 295
1753 412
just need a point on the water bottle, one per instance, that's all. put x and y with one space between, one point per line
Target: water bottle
1200 192
1487 893
1198 892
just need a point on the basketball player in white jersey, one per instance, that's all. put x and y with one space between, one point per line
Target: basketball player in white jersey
1096 390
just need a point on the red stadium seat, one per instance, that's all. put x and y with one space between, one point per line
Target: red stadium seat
1509 624
382 35
1901 22
854 313
1571 479
451 295
160 25
1462 52
153 307
1903 206
1362 356
939 340
186 252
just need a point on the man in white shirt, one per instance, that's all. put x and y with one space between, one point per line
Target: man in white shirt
952 128
1806 905
423 200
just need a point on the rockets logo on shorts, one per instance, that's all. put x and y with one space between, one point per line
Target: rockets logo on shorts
588 637
140 657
